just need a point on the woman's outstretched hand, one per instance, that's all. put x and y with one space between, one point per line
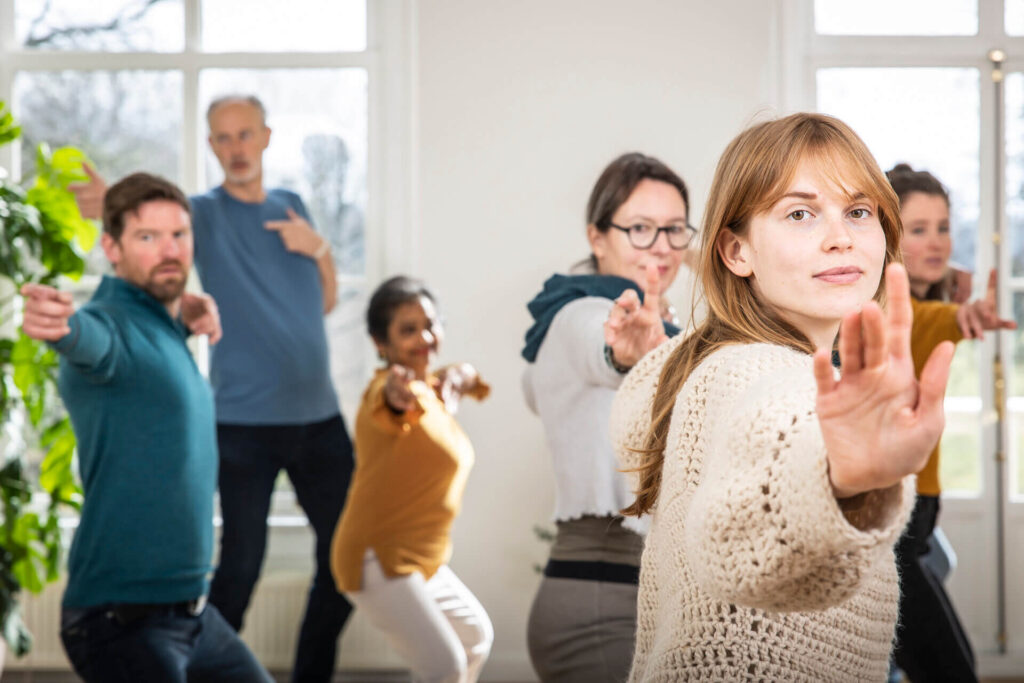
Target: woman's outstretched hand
632 328
981 314
878 422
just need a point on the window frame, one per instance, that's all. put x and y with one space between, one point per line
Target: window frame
391 223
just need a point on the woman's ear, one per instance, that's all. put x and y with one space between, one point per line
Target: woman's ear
598 241
735 253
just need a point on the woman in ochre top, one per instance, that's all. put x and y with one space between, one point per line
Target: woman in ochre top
392 543
931 643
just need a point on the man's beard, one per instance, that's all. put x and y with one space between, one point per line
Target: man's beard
167 289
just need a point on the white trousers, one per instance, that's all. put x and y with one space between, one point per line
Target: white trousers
437 626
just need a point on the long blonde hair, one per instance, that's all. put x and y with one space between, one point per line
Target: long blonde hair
753 174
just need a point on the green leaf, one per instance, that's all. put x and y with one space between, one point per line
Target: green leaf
8 130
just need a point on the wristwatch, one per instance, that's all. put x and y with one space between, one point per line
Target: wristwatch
609 358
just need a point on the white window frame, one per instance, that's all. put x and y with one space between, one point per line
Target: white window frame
391 211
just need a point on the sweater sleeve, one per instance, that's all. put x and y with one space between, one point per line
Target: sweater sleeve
631 409
579 327
764 528
934 323
93 347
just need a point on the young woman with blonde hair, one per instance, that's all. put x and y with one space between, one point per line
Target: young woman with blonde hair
778 487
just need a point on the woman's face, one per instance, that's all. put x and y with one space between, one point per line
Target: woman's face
414 336
653 203
814 256
926 241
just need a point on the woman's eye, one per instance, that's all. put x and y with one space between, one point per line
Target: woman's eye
860 213
943 229
799 214
640 229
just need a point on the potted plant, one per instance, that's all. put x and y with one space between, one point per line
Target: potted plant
42 238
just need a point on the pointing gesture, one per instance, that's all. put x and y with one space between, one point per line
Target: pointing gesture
878 423
981 314
46 312
632 328
297 234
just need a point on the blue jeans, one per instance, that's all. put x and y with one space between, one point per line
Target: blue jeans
318 460
166 646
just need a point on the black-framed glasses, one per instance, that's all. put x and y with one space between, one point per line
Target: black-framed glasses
644 235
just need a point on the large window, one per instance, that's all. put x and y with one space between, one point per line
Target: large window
128 81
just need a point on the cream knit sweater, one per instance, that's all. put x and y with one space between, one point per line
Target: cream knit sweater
752 571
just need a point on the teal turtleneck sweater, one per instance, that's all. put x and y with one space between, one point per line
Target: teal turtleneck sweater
147 452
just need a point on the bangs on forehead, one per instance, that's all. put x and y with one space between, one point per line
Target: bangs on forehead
840 165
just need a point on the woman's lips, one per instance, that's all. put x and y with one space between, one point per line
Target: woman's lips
840 276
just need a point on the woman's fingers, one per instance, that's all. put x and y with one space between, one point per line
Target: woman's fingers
932 387
652 289
899 313
874 333
824 374
851 345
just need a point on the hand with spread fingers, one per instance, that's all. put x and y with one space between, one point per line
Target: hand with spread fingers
397 393
878 422
46 312
632 328
89 195
200 315
981 314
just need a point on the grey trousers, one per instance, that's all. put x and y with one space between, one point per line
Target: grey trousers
580 630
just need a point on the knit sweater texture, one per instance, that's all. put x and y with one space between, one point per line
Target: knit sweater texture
752 570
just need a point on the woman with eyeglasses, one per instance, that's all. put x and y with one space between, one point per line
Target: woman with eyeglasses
583 620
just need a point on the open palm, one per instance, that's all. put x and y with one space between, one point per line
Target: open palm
878 422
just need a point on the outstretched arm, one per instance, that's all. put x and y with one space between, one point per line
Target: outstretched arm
86 339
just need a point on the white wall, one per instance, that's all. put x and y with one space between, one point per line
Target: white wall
520 105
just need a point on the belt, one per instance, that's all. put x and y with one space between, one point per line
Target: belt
610 572
128 613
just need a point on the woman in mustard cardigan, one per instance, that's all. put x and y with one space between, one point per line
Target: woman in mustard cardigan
931 643
391 546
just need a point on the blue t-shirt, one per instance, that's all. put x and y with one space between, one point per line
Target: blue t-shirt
147 452
271 367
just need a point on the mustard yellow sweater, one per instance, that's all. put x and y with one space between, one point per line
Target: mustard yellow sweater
410 474
934 323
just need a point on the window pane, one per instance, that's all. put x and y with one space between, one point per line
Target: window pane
124 121
885 107
318 147
1015 169
348 341
1013 16
101 25
903 18
306 26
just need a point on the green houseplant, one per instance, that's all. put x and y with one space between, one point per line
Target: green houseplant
42 238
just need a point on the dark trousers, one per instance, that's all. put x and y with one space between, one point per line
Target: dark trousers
318 460
930 641
167 645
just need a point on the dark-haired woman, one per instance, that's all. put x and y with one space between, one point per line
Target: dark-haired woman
583 620
931 644
391 546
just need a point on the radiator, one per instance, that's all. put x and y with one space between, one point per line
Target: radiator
271 629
